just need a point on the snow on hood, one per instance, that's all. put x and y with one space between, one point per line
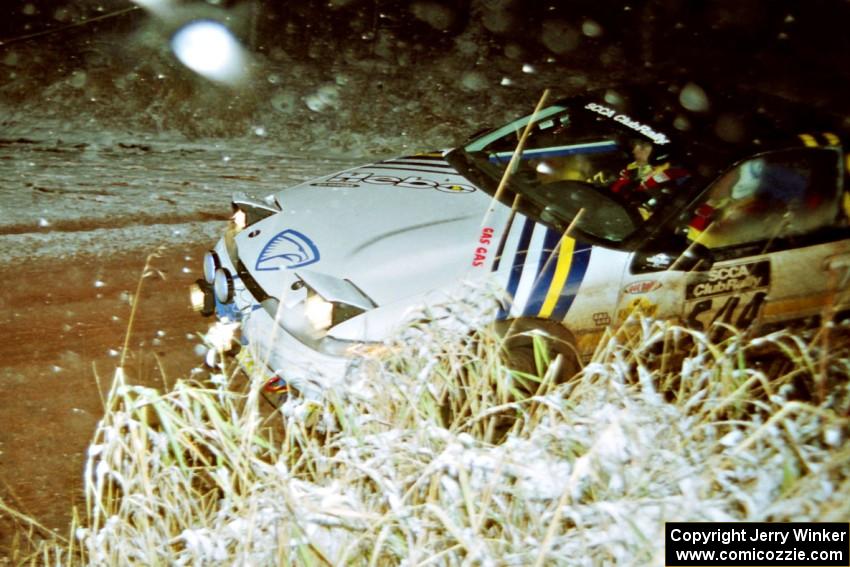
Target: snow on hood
395 229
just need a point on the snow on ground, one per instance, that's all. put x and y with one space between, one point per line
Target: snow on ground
99 192
109 142
103 190
77 167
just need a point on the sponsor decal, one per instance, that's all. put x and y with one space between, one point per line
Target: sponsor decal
288 250
601 319
555 151
357 179
733 295
731 279
481 252
645 286
639 306
628 122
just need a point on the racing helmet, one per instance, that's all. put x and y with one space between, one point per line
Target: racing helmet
749 178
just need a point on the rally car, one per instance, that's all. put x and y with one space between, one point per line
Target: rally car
592 208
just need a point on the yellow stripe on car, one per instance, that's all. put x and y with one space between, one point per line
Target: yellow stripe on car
562 270
809 140
832 139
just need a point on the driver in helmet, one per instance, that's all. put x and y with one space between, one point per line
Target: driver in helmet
641 181
748 200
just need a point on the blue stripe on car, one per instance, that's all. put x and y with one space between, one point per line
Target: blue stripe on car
578 269
519 262
545 272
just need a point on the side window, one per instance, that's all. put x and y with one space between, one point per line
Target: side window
772 195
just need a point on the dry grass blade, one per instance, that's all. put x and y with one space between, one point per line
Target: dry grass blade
400 464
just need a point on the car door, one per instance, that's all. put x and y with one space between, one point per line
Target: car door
776 230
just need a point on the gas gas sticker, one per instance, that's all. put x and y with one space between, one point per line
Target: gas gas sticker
484 242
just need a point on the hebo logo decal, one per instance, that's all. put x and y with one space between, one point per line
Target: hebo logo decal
288 250
356 179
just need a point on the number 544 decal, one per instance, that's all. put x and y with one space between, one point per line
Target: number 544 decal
731 294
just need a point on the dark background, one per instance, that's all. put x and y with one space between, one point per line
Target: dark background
425 70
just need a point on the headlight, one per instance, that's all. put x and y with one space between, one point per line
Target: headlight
240 219
247 211
329 305
211 263
223 285
201 297
318 312
320 302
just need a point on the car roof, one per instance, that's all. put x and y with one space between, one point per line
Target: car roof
719 126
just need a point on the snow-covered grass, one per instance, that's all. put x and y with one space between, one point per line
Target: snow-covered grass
428 457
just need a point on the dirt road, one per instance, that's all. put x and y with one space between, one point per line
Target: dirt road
80 214
64 325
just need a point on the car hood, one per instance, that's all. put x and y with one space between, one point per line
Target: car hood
395 229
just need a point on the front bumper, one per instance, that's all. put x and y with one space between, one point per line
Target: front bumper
271 350
306 369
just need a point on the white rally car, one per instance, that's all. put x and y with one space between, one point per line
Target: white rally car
619 200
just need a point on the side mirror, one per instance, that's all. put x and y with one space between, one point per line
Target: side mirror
675 254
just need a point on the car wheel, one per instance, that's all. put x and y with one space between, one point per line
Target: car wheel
518 351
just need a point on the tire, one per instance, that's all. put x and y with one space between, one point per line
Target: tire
518 350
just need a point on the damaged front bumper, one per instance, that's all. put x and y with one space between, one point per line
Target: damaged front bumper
268 351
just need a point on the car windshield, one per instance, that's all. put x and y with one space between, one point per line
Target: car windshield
582 164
